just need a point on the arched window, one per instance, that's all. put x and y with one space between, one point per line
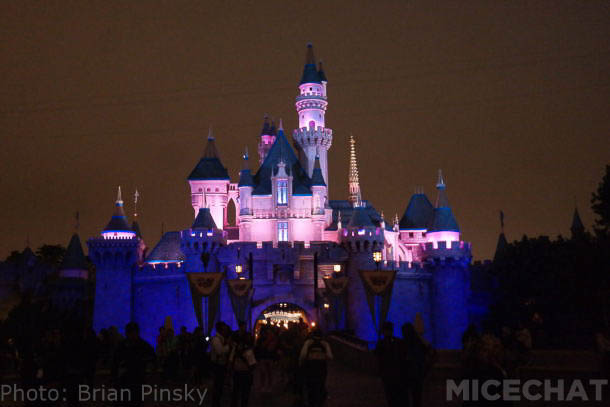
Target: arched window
282 192
282 231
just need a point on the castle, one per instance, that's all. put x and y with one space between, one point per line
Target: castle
289 241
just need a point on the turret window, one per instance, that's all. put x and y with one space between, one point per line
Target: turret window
282 192
282 231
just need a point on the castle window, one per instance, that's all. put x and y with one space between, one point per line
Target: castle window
282 192
282 231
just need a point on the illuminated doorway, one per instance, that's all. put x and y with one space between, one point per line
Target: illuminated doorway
281 315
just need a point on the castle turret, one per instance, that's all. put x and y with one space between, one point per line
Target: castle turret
135 226
74 263
267 138
312 136
204 236
448 259
209 182
443 227
115 256
360 237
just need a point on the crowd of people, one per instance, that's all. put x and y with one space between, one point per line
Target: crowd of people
291 358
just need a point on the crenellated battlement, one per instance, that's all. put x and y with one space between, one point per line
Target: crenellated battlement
439 251
318 136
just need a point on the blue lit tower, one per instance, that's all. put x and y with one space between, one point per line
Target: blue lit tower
448 260
115 256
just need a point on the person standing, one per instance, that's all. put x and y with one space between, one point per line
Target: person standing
313 359
414 365
242 362
132 356
219 354
390 356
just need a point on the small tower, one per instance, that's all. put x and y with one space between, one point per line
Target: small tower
245 186
267 138
115 255
312 136
444 227
360 238
354 182
209 182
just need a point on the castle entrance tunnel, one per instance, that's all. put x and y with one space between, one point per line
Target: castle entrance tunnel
281 314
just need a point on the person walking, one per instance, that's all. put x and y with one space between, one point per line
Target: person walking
219 355
242 361
313 359
390 355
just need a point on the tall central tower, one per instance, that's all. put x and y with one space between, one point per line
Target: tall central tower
312 137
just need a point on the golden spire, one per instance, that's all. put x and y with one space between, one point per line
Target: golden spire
354 183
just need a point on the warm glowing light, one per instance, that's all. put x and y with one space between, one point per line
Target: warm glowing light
238 268
313 324
377 256
326 305
242 278
337 268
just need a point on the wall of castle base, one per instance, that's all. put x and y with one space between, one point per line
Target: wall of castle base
411 295
157 297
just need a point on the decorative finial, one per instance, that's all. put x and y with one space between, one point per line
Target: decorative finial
441 181
77 221
162 228
27 240
281 127
136 195
119 199
210 133
246 153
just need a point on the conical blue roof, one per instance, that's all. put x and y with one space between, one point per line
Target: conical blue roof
118 222
74 259
245 179
321 73
209 166
281 150
204 220
419 213
310 73
360 218
167 250
443 221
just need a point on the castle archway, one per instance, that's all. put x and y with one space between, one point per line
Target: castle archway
281 314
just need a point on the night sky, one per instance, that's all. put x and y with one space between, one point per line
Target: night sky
509 98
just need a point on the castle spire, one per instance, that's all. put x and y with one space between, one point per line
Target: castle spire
354 183
441 200
118 227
